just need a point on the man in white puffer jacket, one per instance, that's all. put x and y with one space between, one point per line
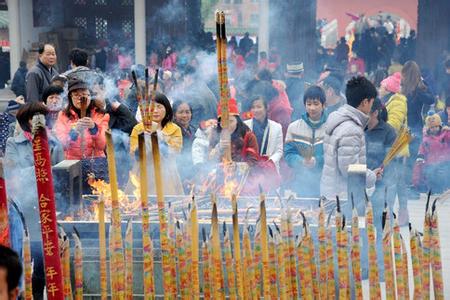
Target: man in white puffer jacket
344 141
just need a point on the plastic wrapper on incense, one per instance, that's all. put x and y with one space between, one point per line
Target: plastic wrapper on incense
356 255
102 249
78 267
227 253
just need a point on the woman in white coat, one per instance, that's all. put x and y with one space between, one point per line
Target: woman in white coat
268 133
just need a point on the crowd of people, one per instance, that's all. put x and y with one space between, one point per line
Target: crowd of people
291 134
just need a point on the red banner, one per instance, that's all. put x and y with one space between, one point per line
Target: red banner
47 213
4 224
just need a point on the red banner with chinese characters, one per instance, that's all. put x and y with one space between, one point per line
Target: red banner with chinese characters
4 224
47 213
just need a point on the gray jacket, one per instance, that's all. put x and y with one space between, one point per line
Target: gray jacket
344 144
38 78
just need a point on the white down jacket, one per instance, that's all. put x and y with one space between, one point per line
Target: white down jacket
344 144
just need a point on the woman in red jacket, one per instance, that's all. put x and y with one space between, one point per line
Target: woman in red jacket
83 138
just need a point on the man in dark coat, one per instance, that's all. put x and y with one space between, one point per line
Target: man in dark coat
18 83
39 77
295 87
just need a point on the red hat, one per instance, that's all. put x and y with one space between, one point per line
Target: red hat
392 83
232 108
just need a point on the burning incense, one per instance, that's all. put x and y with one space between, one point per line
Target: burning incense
237 249
280 250
78 265
27 266
218 285
149 288
374 283
117 255
47 210
399 272
102 249
129 260
65 260
182 263
405 268
387 255
4 219
26 256
322 250
221 44
249 280
356 253
436 262
229 263
206 267
331 289
416 259
273 266
304 261
426 250
264 246
194 251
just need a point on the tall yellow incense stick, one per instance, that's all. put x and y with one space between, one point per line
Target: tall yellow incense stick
182 262
206 265
426 250
416 259
344 284
129 260
304 260
229 264
280 249
237 249
264 246
356 255
78 266
218 292
322 252
194 251
257 259
249 280
102 246
375 292
149 289
331 289
28 272
405 269
436 262
273 267
65 248
387 256
115 218
399 273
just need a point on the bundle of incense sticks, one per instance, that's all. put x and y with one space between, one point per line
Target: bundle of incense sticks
221 264
403 139
78 265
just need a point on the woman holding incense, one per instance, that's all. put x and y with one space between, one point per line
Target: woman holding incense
379 139
21 186
81 128
244 146
182 117
170 140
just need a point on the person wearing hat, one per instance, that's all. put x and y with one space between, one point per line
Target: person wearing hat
295 87
397 117
244 145
303 149
434 154
335 98
8 122
83 138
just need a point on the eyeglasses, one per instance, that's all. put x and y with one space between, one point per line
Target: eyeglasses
79 96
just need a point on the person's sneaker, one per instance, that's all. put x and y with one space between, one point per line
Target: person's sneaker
403 216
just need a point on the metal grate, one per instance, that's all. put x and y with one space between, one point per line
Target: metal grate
126 2
100 2
80 22
127 26
101 28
